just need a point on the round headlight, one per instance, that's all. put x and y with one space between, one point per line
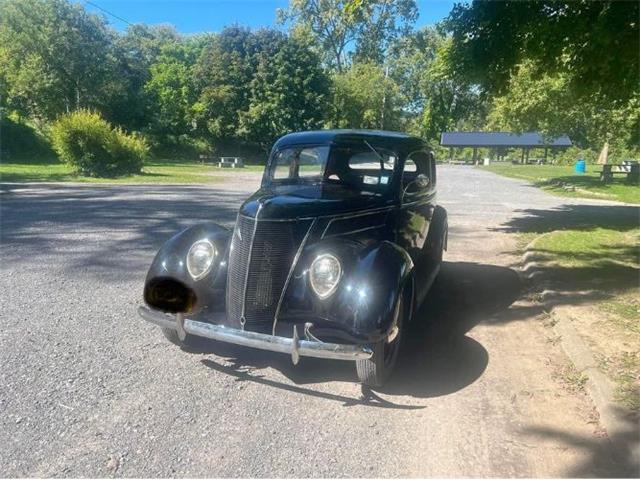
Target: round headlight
324 274
200 258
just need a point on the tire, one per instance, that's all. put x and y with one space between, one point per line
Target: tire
375 371
437 241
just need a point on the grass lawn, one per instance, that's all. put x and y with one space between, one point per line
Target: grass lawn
599 269
586 185
155 171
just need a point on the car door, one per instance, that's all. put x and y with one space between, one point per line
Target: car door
417 204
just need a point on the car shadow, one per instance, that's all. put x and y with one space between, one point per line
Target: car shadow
437 357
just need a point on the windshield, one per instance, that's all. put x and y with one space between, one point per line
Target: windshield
359 165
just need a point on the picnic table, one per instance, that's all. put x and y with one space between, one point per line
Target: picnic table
631 169
223 162
230 162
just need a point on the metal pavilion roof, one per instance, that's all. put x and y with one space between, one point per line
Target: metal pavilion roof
501 139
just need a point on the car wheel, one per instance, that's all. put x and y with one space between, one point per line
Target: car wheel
375 371
439 232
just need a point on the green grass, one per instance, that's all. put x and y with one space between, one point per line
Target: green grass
586 185
601 258
607 261
155 171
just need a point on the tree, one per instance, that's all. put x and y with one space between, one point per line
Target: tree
289 92
534 102
56 57
136 51
594 42
447 101
410 57
367 26
365 97
170 87
222 76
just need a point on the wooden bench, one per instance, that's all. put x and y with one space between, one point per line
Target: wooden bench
206 158
631 170
230 162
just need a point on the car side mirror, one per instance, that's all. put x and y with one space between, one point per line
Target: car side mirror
421 182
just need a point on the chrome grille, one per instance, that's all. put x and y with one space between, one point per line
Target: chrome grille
274 247
238 262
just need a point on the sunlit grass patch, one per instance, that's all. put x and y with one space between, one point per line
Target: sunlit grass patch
156 171
553 177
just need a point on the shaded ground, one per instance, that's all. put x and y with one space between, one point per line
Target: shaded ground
87 389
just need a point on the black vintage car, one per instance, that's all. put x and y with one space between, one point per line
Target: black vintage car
330 258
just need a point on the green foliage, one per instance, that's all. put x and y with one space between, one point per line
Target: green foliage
19 140
289 92
370 25
92 147
364 97
450 101
542 102
571 155
170 87
136 51
223 76
56 57
594 42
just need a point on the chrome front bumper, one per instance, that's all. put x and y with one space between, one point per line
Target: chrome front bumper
293 346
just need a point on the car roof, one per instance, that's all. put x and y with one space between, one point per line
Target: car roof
395 140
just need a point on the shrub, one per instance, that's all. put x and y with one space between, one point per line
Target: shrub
571 155
92 147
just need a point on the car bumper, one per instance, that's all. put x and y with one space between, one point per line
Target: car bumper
293 346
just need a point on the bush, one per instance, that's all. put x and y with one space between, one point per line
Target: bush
92 147
571 155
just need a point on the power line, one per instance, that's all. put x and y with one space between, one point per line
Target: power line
108 12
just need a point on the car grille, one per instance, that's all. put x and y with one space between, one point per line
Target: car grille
274 248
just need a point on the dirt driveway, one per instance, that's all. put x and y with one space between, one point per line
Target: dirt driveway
88 389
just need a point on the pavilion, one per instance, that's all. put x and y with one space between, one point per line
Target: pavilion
502 140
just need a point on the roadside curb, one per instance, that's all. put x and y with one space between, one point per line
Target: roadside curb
598 386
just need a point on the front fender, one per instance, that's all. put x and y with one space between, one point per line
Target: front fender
362 306
169 286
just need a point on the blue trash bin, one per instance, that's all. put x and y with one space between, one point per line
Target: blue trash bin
581 166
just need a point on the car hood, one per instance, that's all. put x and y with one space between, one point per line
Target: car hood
297 201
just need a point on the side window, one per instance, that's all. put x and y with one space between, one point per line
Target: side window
371 161
417 163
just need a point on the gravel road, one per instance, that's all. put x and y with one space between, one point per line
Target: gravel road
88 389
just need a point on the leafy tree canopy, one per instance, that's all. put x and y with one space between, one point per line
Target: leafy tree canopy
56 57
364 27
289 92
540 103
594 42
365 97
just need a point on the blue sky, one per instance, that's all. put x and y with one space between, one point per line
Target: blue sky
191 16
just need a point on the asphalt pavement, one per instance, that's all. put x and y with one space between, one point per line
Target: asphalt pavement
88 389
